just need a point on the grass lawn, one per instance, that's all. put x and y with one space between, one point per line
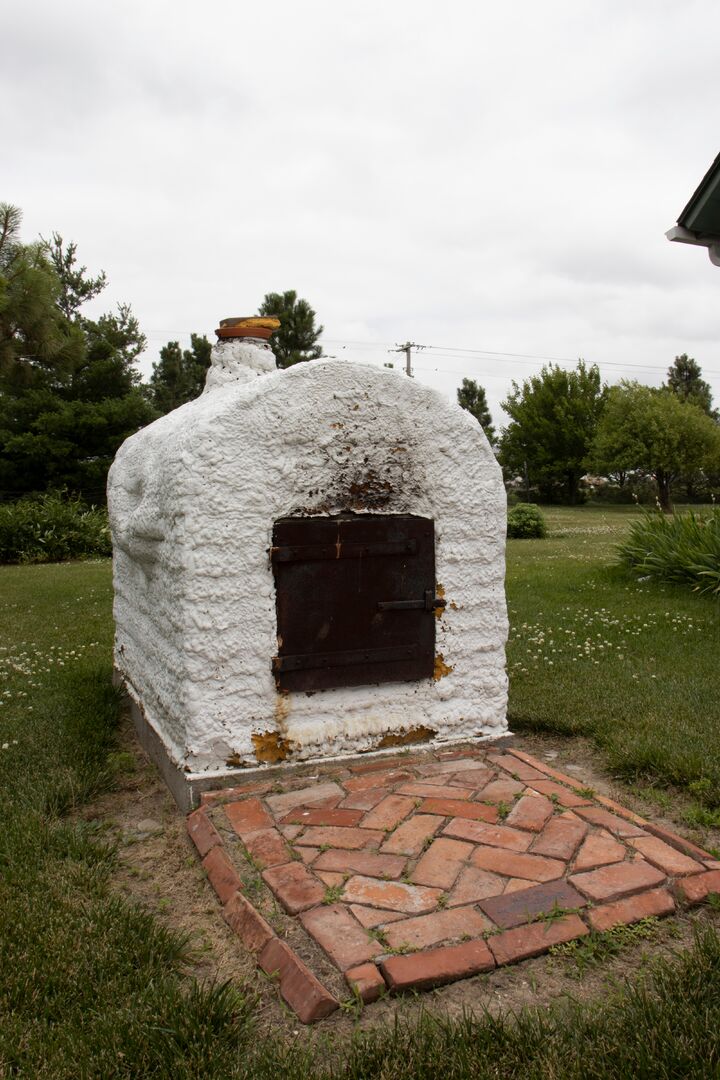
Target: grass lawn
92 986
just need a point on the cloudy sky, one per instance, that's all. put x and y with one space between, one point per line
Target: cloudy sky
486 180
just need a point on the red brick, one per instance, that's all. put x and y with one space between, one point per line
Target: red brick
377 779
473 811
322 815
426 930
364 800
477 832
501 791
202 832
247 816
329 877
307 854
448 768
623 811
441 863
666 858
388 813
409 838
518 768
437 966
562 795
600 849
474 885
427 790
679 842
221 873
515 864
655 902
294 886
535 938
395 895
560 838
384 764
370 917
298 986
267 847
366 981
455 753
247 923
531 812
316 795
518 884
290 831
335 836
548 770
369 863
693 890
344 940
614 824
513 909
476 777
210 798
612 882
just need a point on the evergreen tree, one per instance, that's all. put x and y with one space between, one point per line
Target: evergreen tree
179 375
297 337
69 391
686 382
471 397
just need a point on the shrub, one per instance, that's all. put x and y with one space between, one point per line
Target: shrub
525 522
682 547
52 528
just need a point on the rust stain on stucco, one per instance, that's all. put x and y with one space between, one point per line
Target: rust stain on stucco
404 738
270 747
441 668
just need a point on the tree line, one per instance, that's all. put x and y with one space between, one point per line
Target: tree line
564 424
70 392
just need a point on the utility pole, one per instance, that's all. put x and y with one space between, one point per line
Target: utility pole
407 348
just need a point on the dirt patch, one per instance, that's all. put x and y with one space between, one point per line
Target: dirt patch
158 868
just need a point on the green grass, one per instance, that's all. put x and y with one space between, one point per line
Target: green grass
629 663
92 986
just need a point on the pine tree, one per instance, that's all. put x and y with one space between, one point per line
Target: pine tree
296 339
472 397
69 392
179 375
686 382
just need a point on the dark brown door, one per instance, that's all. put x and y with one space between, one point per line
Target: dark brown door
355 600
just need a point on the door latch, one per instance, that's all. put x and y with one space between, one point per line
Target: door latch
431 602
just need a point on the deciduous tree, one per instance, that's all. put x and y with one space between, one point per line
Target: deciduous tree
553 420
648 429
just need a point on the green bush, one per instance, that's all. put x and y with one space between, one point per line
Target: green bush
52 527
681 547
525 522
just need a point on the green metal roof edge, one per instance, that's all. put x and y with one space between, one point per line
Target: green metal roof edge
708 187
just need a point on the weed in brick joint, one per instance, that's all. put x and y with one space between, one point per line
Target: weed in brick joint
442 900
379 935
324 847
333 893
502 810
555 912
585 792
713 901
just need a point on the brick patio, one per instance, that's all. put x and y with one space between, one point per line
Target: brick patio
410 872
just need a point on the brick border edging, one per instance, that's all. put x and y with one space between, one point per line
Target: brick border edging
302 991
311 1001
686 847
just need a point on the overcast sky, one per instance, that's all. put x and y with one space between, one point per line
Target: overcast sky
485 179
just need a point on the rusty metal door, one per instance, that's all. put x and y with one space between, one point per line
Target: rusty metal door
355 600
